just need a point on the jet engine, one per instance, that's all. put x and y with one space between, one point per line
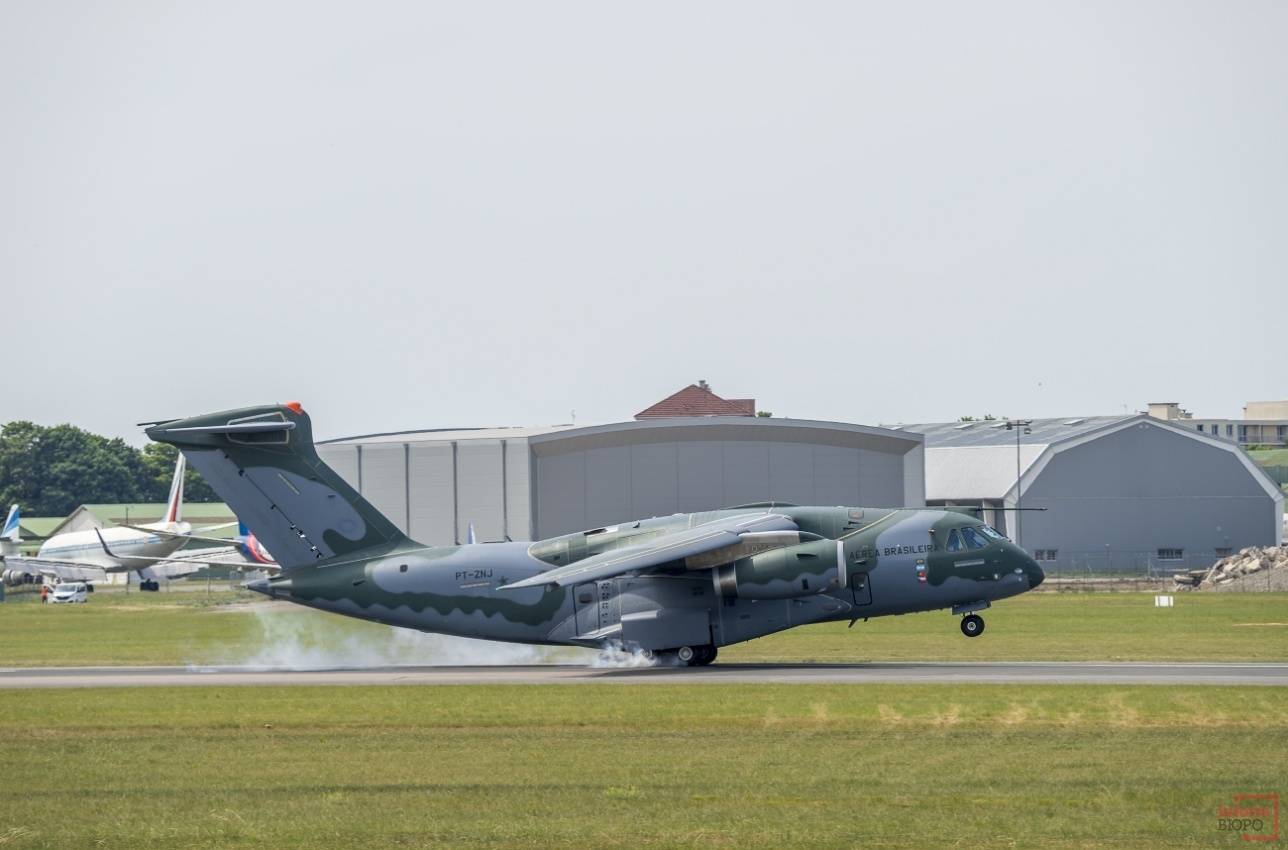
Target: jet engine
13 577
785 573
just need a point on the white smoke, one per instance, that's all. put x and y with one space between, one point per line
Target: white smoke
304 640
287 639
617 656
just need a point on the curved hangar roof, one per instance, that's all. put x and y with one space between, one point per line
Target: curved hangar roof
977 460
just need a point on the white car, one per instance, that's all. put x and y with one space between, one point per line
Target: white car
70 591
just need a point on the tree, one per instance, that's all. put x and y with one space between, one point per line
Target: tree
158 464
50 471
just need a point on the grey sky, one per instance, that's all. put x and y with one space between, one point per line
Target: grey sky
415 214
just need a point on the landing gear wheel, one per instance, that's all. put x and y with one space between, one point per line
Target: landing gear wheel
686 655
972 625
705 655
152 586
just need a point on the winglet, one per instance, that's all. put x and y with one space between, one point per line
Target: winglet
103 542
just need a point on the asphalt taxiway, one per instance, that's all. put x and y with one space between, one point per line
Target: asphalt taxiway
1010 672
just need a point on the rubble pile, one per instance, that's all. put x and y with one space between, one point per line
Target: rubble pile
1230 572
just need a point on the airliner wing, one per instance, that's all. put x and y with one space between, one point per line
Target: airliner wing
218 556
206 529
706 539
61 570
174 534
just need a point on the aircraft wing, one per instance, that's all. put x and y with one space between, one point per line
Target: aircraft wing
206 529
61 570
706 539
192 559
174 534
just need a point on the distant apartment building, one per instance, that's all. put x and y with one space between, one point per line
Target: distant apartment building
1264 423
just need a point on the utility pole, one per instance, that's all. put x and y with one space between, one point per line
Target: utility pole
1018 426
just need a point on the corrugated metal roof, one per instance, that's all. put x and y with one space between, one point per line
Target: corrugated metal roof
994 432
975 472
976 460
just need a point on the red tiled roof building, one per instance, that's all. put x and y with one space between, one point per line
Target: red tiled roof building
698 400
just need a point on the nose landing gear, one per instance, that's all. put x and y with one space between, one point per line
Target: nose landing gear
972 625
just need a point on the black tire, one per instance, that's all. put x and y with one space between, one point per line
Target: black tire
972 625
706 655
687 655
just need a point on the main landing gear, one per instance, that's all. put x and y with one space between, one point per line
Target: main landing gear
972 625
150 585
688 656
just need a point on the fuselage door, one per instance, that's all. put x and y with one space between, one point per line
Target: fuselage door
585 599
598 606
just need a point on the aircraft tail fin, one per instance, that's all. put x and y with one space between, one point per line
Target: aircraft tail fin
174 502
11 531
261 461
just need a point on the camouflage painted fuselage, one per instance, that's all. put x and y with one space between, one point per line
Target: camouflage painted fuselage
894 564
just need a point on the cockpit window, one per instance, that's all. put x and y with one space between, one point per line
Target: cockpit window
954 542
990 532
973 540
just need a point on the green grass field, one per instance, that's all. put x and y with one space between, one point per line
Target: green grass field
1270 457
738 766
188 628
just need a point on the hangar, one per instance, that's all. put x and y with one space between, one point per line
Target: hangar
1120 492
532 483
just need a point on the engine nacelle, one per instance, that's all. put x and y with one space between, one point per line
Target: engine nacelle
17 577
786 573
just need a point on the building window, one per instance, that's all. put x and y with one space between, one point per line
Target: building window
1171 554
1200 427
1044 554
1229 430
1224 551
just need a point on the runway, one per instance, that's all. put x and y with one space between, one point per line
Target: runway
1010 672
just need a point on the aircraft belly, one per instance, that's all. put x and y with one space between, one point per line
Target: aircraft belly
745 619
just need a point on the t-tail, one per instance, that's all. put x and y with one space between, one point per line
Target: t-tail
11 532
261 461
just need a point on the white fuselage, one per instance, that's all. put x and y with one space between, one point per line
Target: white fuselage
133 550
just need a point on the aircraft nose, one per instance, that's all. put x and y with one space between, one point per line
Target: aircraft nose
1033 571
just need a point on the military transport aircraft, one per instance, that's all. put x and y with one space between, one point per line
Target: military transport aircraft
678 587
